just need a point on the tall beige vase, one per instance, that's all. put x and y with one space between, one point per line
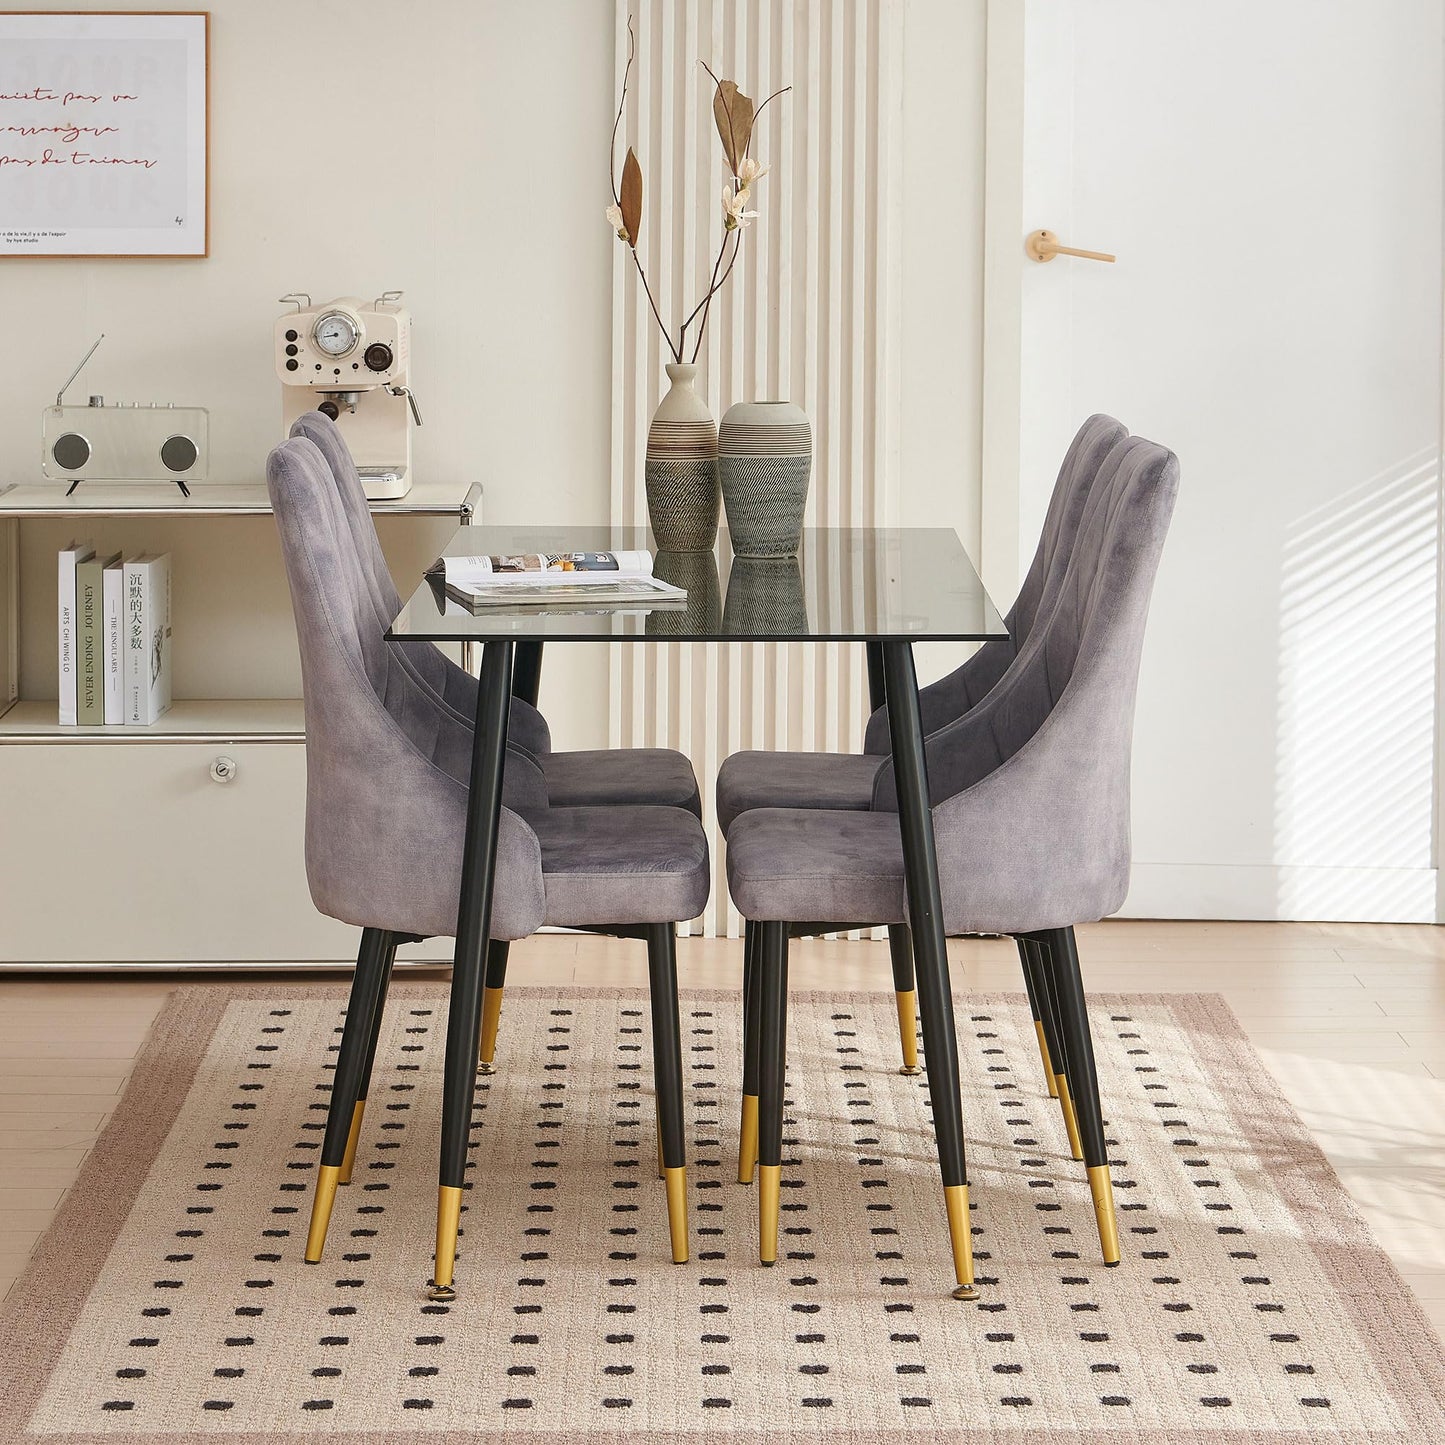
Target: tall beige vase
683 496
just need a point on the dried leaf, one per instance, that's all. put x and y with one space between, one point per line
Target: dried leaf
632 197
733 112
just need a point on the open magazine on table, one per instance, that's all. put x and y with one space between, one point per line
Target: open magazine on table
597 580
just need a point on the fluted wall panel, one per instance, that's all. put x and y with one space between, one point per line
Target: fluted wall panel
810 315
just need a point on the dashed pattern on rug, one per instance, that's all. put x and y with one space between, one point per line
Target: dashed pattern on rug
1251 1303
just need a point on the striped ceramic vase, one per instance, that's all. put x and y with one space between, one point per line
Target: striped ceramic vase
766 461
682 483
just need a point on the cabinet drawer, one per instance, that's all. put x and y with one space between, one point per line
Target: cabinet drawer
132 852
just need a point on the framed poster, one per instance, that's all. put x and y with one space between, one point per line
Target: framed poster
103 133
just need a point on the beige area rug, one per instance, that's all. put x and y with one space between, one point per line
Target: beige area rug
169 1302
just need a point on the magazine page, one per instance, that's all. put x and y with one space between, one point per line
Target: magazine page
545 567
579 589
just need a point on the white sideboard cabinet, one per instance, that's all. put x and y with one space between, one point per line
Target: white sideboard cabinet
179 844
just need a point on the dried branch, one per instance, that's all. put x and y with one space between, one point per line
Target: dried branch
702 325
656 316
616 124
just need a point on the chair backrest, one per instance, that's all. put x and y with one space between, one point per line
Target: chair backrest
453 689
966 686
386 769
1040 769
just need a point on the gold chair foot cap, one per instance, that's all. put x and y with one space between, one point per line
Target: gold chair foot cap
677 1212
483 1067
441 1293
748 1139
911 1072
965 1292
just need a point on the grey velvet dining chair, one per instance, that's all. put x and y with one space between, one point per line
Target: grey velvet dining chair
1030 801
590 777
387 784
845 781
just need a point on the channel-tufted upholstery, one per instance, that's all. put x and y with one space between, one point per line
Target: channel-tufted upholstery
453 686
587 778
845 781
1030 787
387 771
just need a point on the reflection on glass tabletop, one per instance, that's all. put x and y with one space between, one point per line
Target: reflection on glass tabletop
847 584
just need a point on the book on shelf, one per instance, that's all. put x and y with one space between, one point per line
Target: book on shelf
90 639
597 580
70 558
113 623
147 638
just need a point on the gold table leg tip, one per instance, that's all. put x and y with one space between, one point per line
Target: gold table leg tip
441 1293
965 1292
910 1071
484 1066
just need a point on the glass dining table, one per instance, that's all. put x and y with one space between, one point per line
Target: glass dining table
885 588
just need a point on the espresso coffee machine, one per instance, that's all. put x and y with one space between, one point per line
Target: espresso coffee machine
351 359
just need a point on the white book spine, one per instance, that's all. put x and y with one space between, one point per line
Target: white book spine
113 589
147 639
66 596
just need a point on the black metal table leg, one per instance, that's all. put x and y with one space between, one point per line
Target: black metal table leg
474 917
925 907
900 941
877 691
527 674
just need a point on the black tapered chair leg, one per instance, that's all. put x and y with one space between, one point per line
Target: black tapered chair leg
772 1070
366 987
1035 1008
1063 966
752 1044
905 992
348 1163
497 952
667 1073
1036 948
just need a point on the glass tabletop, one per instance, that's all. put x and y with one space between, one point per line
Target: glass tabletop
848 584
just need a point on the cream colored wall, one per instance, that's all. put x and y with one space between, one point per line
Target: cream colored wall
458 150
940 347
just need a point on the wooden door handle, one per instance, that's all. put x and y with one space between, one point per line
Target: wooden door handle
1044 246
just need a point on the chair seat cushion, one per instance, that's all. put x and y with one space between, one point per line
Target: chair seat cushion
794 865
833 781
622 865
606 777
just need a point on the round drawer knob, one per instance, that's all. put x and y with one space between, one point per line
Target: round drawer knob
223 770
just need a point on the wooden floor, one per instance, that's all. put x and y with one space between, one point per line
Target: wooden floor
1350 1018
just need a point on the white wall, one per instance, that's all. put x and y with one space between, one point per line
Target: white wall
1270 178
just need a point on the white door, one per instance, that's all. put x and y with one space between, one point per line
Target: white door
1269 176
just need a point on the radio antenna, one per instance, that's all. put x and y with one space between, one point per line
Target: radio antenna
60 395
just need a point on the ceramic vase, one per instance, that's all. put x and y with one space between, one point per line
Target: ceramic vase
765 462
681 470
